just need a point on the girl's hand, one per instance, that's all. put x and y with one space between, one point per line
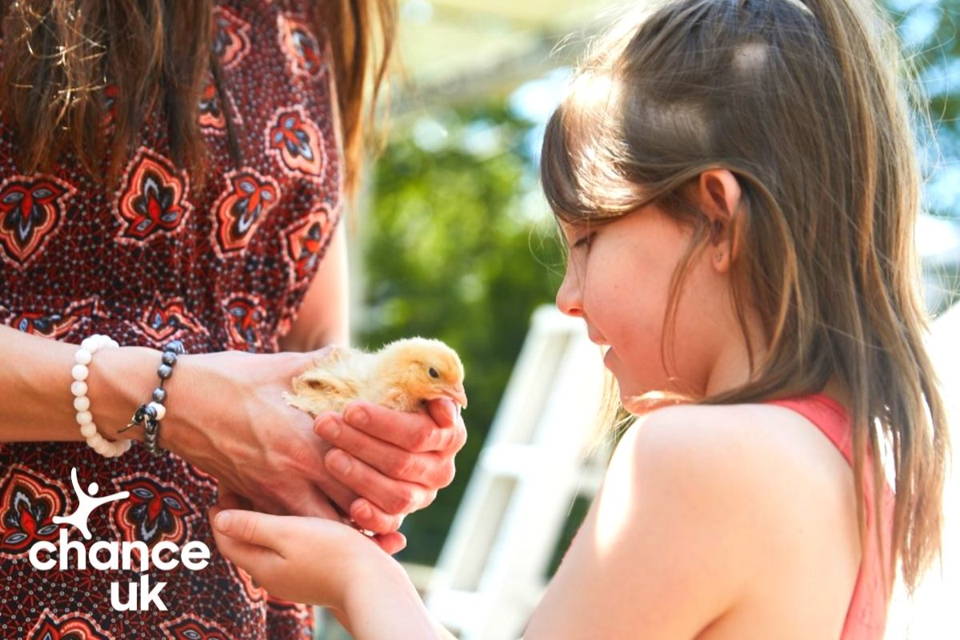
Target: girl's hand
308 560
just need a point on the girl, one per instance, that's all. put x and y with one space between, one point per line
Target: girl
736 181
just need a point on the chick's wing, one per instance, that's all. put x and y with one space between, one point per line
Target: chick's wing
332 382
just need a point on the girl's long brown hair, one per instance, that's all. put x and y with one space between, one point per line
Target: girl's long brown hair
809 103
59 55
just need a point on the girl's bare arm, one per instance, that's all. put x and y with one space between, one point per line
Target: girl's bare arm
328 564
389 607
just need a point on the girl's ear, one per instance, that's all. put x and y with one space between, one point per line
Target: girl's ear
718 196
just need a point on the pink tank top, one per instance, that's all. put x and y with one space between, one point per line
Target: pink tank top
866 614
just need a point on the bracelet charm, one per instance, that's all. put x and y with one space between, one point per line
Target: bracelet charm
149 414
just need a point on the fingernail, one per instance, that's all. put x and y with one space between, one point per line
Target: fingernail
340 462
364 511
357 416
222 521
328 427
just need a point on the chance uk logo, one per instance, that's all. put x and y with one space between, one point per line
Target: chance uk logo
110 555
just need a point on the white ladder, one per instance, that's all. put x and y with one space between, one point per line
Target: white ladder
491 570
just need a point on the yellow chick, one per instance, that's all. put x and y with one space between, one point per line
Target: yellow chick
402 375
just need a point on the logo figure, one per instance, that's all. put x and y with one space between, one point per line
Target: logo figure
87 504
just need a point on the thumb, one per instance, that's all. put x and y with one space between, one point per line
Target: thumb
443 411
251 527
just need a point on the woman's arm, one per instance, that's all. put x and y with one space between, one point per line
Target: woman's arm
323 317
276 460
225 414
36 404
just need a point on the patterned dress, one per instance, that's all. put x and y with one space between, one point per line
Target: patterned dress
222 267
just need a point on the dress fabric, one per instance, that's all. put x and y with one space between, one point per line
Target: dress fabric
867 612
223 266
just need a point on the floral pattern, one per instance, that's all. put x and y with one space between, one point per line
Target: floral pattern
154 199
31 209
28 503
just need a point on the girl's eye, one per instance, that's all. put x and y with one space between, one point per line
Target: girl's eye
584 241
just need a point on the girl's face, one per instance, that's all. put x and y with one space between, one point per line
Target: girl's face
618 279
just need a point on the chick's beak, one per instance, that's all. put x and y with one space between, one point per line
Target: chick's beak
459 395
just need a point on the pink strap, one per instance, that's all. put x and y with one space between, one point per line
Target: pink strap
866 614
829 415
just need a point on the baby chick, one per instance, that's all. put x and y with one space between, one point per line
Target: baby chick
402 375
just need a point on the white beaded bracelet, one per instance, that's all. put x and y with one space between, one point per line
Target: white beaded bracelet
81 402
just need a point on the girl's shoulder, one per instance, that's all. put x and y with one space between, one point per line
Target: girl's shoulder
800 428
777 497
787 491
710 518
777 458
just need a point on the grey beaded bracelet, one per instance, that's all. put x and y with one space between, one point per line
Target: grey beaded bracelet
151 413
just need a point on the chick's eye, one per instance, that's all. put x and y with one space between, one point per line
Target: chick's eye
433 373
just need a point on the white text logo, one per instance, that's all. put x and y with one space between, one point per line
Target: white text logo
104 555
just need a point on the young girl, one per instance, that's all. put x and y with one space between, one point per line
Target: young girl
736 181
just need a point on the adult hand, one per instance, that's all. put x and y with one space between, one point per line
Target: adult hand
395 461
227 417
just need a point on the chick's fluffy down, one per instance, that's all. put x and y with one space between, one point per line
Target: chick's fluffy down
402 375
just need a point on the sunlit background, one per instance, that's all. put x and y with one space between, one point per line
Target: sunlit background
452 237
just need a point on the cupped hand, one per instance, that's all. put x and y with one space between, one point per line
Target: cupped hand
226 416
310 560
394 461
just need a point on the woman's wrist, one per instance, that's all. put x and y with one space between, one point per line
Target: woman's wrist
121 380
184 427
200 381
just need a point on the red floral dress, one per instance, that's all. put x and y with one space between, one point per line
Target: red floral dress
222 267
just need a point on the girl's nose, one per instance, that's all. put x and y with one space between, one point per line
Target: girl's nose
568 295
